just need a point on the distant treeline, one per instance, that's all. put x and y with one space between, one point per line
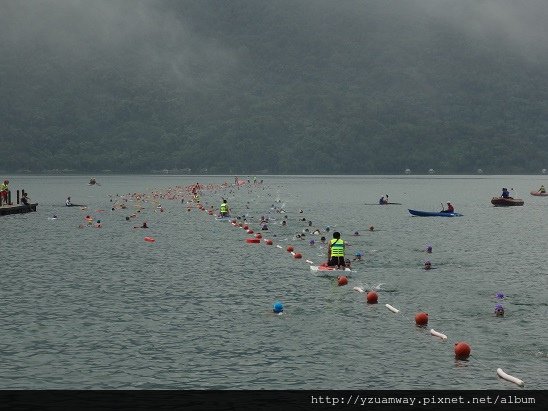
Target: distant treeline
240 87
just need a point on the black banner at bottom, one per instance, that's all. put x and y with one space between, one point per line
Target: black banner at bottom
274 400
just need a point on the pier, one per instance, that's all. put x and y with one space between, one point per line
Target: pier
8 207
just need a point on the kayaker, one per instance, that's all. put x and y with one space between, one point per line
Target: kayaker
450 208
382 200
224 208
505 193
335 251
542 190
68 203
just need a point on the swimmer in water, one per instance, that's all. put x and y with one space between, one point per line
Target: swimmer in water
427 265
499 310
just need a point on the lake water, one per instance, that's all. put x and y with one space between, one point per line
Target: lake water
101 308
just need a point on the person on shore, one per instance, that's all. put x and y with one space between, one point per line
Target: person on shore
450 208
335 251
4 189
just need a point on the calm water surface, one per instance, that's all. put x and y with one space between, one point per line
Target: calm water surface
101 308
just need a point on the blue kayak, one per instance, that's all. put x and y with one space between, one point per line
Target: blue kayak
433 214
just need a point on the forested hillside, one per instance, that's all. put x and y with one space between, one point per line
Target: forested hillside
282 86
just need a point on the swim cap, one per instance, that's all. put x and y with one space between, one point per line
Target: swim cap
358 254
500 295
278 307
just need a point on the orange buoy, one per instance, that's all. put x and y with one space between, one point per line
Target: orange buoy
421 319
342 280
250 231
258 235
297 255
462 350
149 239
289 248
372 297
252 240
268 242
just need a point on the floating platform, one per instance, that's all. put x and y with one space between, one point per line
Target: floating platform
17 209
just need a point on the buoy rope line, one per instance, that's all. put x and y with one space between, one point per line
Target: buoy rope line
462 349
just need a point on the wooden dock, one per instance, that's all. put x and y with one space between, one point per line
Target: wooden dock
17 209
8 207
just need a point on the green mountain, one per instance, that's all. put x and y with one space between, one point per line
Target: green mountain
281 86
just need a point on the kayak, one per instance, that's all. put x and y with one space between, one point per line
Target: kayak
433 214
327 268
75 205
539 194
506 202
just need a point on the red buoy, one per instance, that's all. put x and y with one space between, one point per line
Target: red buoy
250 231
149 239
372 297
258 235
421 319
462 350
268 242
246 227
289 248
210 212
297 255
342 280
252 240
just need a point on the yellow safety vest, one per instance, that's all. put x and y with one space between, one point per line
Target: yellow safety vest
337 247
224 208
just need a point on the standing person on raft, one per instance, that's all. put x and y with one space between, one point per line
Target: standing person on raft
224 209
335 251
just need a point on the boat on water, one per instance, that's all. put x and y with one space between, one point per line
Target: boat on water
539 194
506 202
419 213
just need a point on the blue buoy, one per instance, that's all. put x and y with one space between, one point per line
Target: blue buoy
278 307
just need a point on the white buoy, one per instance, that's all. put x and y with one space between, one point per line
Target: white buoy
508 377
279 246
394 310
309 262
292 253
437 334
358 289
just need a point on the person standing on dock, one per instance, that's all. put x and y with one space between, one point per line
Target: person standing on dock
4 189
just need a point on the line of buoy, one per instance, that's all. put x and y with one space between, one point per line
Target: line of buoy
462 349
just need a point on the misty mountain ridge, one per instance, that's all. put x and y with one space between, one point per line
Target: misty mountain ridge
299 87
